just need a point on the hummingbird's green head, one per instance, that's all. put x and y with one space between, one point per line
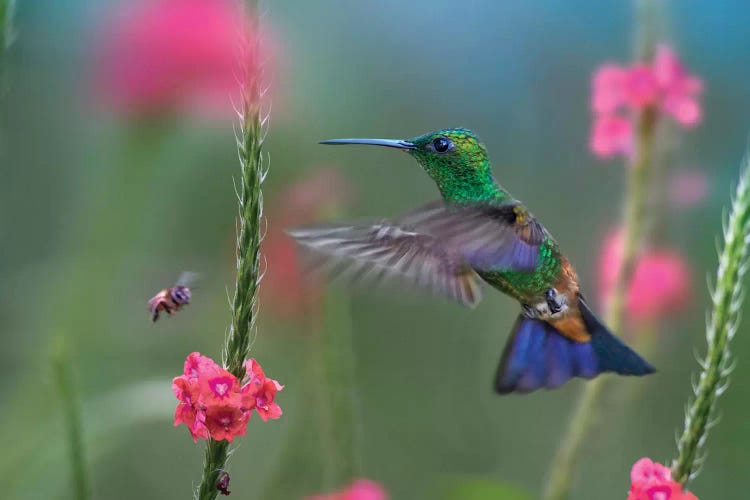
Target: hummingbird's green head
455 158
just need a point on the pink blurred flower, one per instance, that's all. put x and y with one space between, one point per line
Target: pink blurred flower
287 290
680 89
687 188
641 88
611 135
260 392
213 403
653 481
608 88
360 489
617 92
660 284
166 54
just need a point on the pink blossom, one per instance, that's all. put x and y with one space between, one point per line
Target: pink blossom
360 489
213 403
226 422
687 188
660 284
641 87
287 290
260 392
611 135
680 89
618 92
196 365
189 410
608 88
647 471
163 54
653 481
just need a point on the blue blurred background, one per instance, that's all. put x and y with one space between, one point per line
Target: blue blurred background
100 209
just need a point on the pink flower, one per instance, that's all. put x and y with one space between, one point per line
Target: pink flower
660 284
680 90
618 91
259 392
653 481
360 489
226 422
641 87
687 188
608 88
287 290
196 365
212 403
611 135
163 54
647 471
220 388
189 410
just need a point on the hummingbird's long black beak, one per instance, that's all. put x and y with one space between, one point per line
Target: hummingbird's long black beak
391 143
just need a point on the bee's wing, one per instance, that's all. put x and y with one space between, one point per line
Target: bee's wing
187 278
386 250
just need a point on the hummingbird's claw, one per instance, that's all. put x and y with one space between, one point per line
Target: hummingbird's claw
554 303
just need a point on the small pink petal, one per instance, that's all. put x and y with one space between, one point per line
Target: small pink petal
688 188
611 135
641 88
608 82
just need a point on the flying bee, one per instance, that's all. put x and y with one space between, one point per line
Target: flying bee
172 299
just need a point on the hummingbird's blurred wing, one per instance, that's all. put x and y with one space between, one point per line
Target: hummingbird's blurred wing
385 250
488 237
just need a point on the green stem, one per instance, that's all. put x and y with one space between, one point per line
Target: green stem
244 305
584 416
72 415
337 396
6 36
723 323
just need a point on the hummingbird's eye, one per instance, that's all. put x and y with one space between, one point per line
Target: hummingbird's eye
442 144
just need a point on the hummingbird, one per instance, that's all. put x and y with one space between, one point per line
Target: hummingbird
478 234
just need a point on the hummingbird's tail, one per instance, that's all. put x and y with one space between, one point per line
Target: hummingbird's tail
537 355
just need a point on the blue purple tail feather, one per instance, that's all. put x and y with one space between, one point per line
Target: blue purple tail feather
539 356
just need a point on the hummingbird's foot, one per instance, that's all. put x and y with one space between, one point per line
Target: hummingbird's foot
555 302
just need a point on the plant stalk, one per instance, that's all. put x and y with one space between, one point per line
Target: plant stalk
72 416
721 327
584 416
244 304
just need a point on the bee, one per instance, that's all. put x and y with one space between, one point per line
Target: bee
172 299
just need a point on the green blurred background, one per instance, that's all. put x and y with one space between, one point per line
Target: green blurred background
99 211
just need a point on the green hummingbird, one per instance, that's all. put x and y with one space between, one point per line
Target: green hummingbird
479 233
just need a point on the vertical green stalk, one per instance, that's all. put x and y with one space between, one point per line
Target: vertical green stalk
640 172
721 327
337 397
6 36
250 139
563 464
72 415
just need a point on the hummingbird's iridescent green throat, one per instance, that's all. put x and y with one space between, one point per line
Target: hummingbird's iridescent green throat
455 158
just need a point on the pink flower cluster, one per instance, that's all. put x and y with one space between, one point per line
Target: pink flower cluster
287 290
660 284
213 403
160 55
360 489
618 91
653 481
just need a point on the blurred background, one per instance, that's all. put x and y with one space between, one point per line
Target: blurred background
110 191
